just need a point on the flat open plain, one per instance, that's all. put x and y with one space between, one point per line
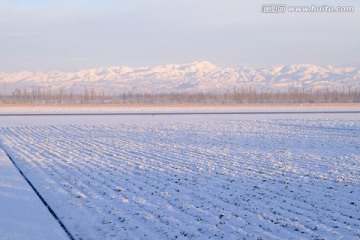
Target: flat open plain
196 177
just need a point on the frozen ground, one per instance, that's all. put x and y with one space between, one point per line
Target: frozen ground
242 179
22 215
16 121
250 108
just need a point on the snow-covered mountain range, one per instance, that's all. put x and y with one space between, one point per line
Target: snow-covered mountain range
194 77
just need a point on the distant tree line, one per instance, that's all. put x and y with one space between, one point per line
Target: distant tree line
42 96
237 96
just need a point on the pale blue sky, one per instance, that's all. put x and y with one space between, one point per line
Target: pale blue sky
79 34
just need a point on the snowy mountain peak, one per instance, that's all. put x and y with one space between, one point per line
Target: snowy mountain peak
203 65
201 76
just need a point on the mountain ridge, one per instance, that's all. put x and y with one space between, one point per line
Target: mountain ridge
197 76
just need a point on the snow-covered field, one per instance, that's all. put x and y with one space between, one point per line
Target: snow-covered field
138 109
237 179
22 214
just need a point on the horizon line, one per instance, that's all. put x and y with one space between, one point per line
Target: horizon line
181 64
